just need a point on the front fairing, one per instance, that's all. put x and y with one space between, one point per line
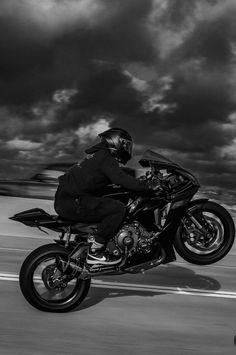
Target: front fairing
151 158
158 162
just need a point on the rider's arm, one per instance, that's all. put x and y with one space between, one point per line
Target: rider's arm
116 175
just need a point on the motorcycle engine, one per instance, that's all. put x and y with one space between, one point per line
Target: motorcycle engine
133 238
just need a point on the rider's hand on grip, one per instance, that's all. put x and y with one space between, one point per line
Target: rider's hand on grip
158 191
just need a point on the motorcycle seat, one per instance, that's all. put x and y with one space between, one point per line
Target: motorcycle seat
62 220
68 222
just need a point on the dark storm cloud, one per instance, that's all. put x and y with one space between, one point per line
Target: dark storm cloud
87 45
6 153
202 95
203 104
201 65
42 53
212 40
26 63
202 68
32 66
123 37
107 90
178 12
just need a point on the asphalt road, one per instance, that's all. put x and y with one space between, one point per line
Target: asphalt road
174 309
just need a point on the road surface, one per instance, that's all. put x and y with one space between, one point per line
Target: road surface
174 309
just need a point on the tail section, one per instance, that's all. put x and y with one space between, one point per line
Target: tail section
36 217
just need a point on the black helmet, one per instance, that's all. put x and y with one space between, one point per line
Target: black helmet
119 142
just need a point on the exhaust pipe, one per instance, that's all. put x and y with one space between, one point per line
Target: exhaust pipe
147 265
68 267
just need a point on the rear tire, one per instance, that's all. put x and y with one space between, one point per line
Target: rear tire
40 296
200 256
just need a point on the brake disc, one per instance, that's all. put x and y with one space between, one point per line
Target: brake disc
51 280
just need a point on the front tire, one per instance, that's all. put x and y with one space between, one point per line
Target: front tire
198 249
37 266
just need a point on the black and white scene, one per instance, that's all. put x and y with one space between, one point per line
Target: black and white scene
117 177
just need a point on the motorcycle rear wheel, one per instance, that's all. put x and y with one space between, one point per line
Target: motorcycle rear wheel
38 287
199 251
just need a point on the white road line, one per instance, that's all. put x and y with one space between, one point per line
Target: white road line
28 236
15 249
145 288
211 265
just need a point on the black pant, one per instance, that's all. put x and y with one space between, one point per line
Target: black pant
108 213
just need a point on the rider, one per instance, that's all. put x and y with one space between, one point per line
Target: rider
77 197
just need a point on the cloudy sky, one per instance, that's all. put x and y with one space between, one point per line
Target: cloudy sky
163 69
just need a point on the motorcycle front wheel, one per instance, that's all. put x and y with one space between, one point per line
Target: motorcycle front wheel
207 245
45 287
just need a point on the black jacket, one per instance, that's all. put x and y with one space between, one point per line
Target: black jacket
96 171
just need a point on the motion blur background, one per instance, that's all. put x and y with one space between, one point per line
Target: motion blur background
162 69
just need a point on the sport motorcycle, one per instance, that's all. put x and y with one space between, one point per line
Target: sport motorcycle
56 278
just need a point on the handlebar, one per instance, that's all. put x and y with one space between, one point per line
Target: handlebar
162 188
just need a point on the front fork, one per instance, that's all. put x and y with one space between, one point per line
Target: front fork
197 224
205 230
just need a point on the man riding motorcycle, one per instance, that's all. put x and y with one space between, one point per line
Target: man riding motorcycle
77 197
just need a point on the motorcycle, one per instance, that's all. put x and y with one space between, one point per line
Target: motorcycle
55 277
